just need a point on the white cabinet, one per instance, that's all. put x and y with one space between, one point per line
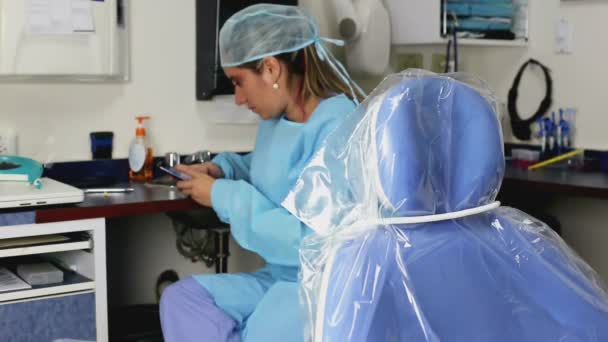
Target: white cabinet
79 302
417 22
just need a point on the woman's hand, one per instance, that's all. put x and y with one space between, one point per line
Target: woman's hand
198 188
208 168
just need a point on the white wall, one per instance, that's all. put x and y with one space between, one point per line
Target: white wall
579 78
585 229
579 81
53 120
139 249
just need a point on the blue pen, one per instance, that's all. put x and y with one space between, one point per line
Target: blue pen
542 134
565 130
550 128
566 137
559 132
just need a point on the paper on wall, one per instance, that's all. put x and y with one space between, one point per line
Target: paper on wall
82 16
59 16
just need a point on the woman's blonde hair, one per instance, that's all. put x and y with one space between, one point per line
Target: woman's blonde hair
320 78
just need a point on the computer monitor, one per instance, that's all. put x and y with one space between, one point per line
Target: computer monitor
210 16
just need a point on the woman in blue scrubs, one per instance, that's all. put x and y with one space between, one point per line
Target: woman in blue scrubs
280 70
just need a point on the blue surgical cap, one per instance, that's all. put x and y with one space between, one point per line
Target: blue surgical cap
264 30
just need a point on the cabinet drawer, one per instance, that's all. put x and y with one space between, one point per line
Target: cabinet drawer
48 319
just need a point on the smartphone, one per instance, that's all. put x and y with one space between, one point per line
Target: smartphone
173 172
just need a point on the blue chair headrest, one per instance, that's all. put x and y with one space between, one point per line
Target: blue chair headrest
439 147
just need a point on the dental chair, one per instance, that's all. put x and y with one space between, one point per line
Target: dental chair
411 246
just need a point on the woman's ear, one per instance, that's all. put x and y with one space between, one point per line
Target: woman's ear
271 70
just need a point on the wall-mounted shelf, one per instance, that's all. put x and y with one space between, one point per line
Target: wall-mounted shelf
72 282
43 249
415 22
79 302
492 42
477 42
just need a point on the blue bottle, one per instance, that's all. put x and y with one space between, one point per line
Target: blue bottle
542 135
565 131
550 129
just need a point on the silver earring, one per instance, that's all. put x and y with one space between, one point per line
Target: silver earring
275 86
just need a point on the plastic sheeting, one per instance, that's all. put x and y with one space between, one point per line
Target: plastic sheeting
425 145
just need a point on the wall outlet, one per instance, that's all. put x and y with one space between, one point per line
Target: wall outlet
409 61
8 141
563 37
438 63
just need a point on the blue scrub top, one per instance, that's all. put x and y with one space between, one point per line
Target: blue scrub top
249 197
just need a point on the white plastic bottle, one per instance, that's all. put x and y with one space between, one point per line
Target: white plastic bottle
140 154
